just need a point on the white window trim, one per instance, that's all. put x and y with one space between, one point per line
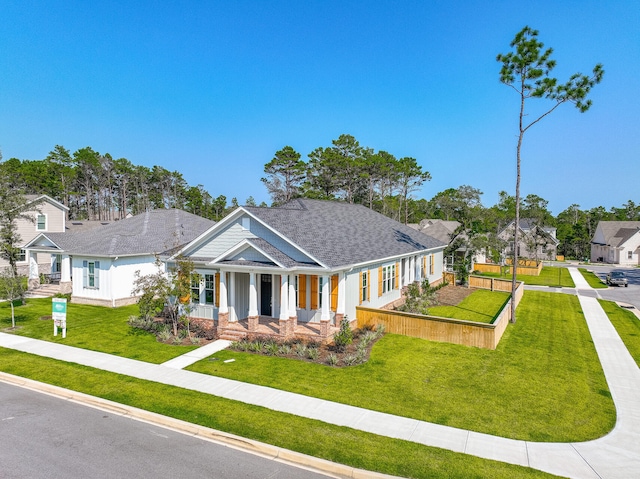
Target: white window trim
388 278
364 285
46 222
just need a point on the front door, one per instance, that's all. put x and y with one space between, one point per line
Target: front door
265 294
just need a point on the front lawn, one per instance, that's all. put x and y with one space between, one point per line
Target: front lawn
543 383
592 279
339 444
90 327
628 326
549 276
480 306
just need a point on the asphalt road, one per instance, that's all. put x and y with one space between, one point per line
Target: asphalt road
630 294
46 437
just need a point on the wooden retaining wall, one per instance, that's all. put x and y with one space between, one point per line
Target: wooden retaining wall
434 328
487 267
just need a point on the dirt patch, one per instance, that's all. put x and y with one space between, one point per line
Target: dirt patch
46 318
452 295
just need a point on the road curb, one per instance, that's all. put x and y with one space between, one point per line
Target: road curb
230 440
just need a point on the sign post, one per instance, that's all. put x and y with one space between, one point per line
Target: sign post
59 315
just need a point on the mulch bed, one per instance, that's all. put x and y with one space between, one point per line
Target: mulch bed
452 295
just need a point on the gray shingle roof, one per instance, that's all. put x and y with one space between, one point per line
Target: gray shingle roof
152 232
341 234
617 233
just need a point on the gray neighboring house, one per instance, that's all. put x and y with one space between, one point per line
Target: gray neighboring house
616 242
444 231
98 264
308 261
48 215
534 242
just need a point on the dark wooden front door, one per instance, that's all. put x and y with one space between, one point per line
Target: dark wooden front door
265 294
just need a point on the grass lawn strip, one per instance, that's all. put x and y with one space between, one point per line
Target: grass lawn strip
339 444
592 279
91 327
545 367
544 362
480 306
628 326
549 276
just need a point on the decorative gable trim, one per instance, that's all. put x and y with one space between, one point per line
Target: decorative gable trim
241 246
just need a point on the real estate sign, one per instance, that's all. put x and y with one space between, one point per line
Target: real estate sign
59 315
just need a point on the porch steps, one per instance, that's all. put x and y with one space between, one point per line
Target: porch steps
232 335
43 291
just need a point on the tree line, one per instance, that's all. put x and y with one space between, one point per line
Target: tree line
96 186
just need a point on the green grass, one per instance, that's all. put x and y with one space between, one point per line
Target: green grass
480 306
334 443
91 327
628 326
592 278
543 383
549 276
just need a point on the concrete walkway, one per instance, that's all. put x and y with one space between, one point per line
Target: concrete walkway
616 455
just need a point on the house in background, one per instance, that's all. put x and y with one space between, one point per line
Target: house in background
308 262
616 242
48 216
98 264
534 242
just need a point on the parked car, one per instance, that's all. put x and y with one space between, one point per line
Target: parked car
618 278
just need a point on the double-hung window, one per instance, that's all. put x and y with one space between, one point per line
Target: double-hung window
209 283
91 274
195 288
388 278
41 222
365 286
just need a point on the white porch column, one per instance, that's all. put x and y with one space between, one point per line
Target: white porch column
232 297
224 306
33 266
253 295
284 296
292 310
326 299
342 298
65 269
412 269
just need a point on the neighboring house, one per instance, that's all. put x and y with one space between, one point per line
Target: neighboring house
443 231
98 265
534 242
616 242
307 261
48 216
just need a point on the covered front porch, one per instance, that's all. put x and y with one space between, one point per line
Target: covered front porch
248 302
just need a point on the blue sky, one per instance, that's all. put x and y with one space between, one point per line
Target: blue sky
214 89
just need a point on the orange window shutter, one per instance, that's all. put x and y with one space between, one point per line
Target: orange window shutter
360 288
302 291
397 275
334 292
368 285
217 300
379 281
314 292
432 264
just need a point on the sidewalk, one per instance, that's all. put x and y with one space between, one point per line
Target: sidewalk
616 455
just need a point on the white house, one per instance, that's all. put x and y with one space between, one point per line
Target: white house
616 242
307 261
98 265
